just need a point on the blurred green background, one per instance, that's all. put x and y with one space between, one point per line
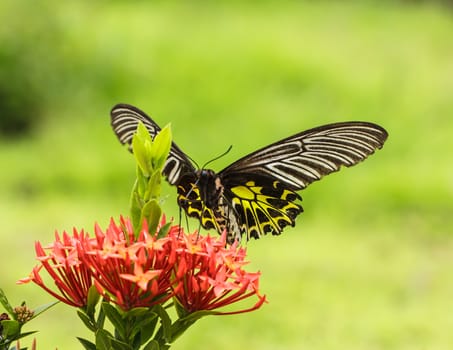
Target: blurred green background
369 264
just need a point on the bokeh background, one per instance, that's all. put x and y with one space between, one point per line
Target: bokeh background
369 264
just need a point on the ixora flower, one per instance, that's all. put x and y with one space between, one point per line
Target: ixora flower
199 273
210 274
62 262
154 279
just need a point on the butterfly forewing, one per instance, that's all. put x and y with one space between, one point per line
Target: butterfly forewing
303 158
125 119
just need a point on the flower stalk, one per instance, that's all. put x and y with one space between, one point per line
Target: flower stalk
150 156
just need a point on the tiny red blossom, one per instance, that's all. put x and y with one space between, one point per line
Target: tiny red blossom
132 272
142 278
210 275
71 277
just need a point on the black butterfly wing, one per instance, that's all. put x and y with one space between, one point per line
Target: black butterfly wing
125 119
303 158
261 186
256 204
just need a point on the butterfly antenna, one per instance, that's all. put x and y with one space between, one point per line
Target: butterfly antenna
218 157
192 160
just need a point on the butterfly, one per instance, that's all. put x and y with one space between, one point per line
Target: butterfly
257 194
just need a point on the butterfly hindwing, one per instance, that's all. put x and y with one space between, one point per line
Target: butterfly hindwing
263 205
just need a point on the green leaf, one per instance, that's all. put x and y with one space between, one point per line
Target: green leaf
11 328
101 319
154 185
4 300
152 345
141 186
144 136
86 344
103 340
163 232
195 316
152 212
136 212
115 318
141 147
119 345
161 148
165 322
139 312
92 299
182 324
185 316
86 320
23 335
140 320
40 309
180 310
179 327
147 329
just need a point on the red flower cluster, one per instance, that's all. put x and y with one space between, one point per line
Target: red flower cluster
201 273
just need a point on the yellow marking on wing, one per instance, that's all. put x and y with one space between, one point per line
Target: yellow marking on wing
243 192
261 215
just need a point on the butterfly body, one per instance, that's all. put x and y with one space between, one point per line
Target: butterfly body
210 186
257 194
